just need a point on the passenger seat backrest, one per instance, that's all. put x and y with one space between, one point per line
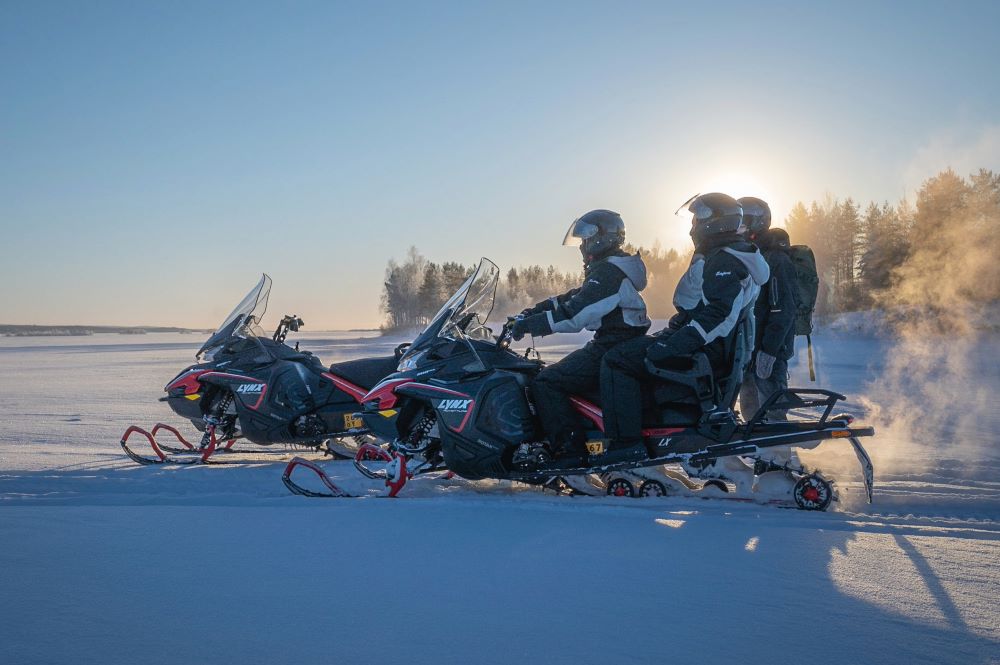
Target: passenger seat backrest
740 348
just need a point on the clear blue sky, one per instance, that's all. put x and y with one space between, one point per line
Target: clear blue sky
155 157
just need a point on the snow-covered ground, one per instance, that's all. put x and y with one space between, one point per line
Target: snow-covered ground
106 562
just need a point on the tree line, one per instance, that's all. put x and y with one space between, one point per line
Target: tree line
942 249
415 288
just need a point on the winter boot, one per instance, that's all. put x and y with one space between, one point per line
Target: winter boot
531 456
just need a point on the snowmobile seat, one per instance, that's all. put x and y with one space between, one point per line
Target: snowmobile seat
593 395
366 372
691 389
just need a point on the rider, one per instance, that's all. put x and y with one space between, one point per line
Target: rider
774 313
608 302
724 276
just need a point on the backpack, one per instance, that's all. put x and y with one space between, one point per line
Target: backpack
806 286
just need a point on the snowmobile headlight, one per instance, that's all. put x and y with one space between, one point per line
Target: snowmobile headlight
410 361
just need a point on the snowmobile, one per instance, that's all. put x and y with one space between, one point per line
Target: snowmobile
461 401
246 385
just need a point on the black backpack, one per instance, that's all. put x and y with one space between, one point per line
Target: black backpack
806 293
806 286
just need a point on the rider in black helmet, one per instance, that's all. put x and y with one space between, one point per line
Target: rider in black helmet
608 302
774 312
725 275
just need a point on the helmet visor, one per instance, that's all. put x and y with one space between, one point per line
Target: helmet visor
753 209
579 231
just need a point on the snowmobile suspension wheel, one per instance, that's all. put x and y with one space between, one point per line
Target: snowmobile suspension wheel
717 484
621 487
652 488
812 493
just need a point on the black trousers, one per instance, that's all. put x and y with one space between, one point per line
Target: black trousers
755 390
623 373
578 373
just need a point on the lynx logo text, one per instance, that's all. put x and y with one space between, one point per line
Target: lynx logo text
250 388
452 405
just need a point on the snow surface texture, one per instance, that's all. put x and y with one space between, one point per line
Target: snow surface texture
103 561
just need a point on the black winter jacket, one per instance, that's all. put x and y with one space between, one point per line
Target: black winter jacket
776 307
718 284
607 302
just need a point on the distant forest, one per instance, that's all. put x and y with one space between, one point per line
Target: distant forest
940 250
83 331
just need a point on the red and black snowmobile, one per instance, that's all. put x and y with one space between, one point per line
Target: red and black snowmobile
249 386
461 402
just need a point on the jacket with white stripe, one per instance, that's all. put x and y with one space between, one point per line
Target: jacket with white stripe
607 302
718 284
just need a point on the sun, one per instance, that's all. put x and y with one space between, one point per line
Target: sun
738 184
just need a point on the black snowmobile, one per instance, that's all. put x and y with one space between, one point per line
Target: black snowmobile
249 386
461 401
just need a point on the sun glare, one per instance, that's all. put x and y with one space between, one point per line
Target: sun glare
734 183
739 184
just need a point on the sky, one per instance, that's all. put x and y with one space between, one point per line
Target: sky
156 157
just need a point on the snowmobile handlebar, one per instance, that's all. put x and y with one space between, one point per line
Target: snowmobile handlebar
505 336
288 323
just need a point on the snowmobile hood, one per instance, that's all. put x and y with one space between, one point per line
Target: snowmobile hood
633 267
754 261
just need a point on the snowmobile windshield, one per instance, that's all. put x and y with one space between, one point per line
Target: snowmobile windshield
471 304
244 320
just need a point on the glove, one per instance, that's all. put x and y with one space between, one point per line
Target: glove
660 350
677 321
765 365
536 325
519 329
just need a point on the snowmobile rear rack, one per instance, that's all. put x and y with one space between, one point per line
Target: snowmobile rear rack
797 398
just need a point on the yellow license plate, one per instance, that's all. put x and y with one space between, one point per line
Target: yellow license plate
595 447
352 422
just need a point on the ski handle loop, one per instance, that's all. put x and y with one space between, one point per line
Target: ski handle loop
335 492
369 452
396 475
173 430
135 429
